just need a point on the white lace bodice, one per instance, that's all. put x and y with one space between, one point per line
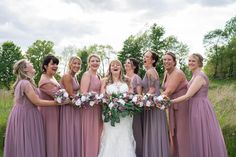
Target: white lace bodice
118 141
118 87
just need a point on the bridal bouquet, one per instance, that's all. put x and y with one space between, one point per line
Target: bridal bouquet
119 105
149 101
162 101
60 96
90 99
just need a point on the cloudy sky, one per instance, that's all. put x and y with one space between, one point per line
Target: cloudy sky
84 22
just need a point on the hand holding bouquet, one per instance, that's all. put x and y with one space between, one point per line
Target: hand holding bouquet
61 97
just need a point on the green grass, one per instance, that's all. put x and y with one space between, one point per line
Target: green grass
222 95
6 101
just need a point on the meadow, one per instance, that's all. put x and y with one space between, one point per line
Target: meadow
222 94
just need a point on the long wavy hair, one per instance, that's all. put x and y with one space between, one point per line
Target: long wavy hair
21 74
109 79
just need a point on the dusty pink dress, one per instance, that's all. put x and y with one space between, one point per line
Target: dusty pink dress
24 133
70 128
206 138
179 122
91 118
50 119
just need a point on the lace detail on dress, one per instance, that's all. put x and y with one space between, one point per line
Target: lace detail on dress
118 141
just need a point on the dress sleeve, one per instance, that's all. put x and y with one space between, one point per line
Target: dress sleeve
137 81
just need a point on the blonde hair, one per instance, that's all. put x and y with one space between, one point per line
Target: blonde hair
199 58
109 74
21 74
92 55
71 60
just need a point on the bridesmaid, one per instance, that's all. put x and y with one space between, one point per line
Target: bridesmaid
155 139
91 116
70 125
175 85
24 133
206 138
132 68
48 85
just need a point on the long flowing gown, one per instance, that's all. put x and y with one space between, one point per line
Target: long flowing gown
91 121
179 122
118 141
206 137
138 120
24 133
70 128
155 138
50 119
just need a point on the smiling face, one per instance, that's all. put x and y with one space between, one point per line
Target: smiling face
147 60
193 63
29 69
129 65
115 68
51 68
75 65
94 63
168 62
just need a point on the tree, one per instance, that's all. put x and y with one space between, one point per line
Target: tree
151 39
213 40
37 52
67 53
9 54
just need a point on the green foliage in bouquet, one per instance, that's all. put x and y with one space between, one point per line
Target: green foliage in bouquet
118 106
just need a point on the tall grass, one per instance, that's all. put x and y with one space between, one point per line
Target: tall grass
222 95
6 102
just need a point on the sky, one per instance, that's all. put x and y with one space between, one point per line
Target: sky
82 23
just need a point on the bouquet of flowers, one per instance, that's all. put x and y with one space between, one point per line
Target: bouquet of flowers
91 98
162 101
60 96
119 105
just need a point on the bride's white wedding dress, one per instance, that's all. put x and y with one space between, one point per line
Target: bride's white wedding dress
118 141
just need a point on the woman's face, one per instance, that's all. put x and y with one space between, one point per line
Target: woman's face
115 68
30 69
128 65
75 65
51 68
193 63
94 63
147 59
168 62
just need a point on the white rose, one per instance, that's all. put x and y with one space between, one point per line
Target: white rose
83 98
111 105
91 103
148 103
121 101
78 102
141 104
162 107
65 94
135 99
160 98
58 99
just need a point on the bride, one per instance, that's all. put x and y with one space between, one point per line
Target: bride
117 141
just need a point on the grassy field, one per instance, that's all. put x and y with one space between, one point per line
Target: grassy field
222 94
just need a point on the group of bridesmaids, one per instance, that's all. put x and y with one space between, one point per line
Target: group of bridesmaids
38 126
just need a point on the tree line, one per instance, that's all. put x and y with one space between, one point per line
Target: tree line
220 45
220 50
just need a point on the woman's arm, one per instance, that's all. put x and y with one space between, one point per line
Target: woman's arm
103 86
34 98
152 79
173 82
85 81
67 83
198 82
